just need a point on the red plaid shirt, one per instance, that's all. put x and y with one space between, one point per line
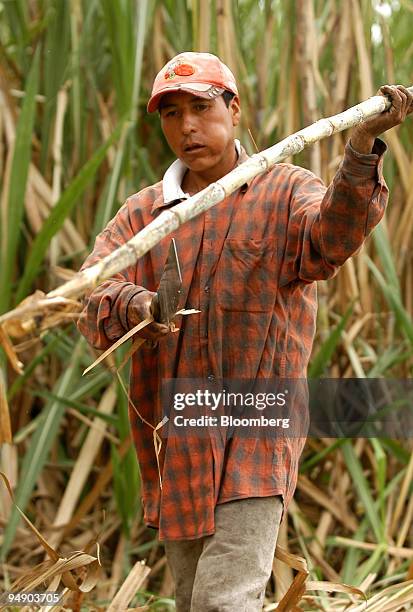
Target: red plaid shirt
249 265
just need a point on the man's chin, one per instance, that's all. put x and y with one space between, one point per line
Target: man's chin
199 165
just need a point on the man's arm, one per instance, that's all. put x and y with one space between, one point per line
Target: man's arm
363 135
326 227
118 304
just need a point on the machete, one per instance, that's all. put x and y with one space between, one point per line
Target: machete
164 306
165 302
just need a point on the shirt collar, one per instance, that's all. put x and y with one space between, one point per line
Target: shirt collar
172 180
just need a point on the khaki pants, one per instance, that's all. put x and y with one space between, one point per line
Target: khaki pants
229 570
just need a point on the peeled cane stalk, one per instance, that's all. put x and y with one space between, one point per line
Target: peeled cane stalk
169 220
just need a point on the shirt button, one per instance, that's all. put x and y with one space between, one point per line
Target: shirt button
211 377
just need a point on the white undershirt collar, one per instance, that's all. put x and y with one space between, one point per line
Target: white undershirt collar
172 180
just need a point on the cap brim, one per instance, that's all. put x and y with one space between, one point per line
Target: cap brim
203 90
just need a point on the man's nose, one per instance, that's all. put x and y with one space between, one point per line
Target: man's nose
188 123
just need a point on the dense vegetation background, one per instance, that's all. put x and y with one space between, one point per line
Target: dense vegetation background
75 140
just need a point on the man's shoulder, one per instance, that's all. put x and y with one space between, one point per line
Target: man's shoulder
136 211
144 198
287 178
293 171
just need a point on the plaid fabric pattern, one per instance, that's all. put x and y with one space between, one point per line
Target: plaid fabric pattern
249 265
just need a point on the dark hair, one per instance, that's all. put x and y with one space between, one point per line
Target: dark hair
228 95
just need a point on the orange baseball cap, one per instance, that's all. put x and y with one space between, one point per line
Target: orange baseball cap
202 74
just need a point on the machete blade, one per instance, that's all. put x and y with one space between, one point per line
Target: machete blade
166 301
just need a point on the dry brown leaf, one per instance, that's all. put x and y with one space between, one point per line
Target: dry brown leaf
5 425
91 498
57 569
84 464
324 500
138 342
332 587
10 352
124 338
128 589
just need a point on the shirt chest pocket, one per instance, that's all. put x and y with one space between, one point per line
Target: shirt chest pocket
246 275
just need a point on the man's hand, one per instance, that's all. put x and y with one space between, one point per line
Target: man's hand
139 308
363 135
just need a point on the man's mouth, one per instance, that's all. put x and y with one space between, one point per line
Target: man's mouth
193 148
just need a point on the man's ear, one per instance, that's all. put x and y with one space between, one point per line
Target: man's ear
235 107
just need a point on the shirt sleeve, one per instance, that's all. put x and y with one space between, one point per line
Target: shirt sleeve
104 317
326 226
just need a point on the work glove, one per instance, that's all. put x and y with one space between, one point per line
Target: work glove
139 309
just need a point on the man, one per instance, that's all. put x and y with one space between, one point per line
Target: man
249 265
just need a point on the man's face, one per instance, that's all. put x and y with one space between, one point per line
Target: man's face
200 132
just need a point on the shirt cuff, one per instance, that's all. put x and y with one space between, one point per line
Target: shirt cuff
366 165
123 307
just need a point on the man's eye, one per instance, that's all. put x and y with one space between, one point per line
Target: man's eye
201 107
170 113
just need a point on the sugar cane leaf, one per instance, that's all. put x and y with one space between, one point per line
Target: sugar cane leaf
322 358
56 60
394 300
40 445
18 180
60 212
382 242
361 484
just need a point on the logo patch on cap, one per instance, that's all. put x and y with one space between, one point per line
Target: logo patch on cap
179 69
184 70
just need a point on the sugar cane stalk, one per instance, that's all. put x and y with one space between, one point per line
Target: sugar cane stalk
169 220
